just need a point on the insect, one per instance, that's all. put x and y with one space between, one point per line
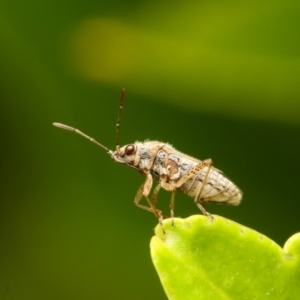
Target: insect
173 170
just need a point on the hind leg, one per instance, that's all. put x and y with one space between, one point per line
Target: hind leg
198 202
199 199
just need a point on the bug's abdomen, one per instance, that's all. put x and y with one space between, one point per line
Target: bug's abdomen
217 188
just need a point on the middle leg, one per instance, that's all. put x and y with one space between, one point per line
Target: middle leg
199 199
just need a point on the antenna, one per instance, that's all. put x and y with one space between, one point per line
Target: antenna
66 127
122 97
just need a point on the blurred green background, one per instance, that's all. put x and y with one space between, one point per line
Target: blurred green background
217 80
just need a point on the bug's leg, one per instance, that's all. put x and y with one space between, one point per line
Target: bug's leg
203 210
155 194
138 198
194 171
199 199
204 182
154 200
172 207
170 187
144 190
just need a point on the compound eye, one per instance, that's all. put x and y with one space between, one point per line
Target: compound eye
130 149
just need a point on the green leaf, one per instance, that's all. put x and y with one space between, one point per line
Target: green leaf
199 258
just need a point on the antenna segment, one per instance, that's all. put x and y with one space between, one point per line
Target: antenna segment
122 97
66 127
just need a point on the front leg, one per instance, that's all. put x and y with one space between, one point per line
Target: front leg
144 190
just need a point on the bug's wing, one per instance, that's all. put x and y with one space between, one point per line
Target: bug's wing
192 158
221 189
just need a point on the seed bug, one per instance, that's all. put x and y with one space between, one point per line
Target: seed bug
174 171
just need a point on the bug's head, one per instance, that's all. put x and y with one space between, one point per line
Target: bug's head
125 154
